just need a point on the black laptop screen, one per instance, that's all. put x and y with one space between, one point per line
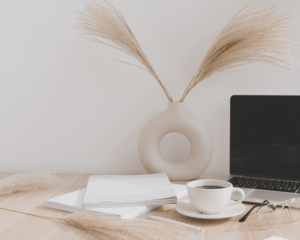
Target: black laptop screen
265 136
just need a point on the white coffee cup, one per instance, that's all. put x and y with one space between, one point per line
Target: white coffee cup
212 201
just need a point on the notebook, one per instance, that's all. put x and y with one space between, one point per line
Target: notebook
72 202
128 190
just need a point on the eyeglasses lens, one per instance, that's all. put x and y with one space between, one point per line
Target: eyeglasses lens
270 216
295 209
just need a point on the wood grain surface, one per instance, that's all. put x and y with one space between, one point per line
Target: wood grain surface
15 226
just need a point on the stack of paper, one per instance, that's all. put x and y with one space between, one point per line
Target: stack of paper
72 202
104 191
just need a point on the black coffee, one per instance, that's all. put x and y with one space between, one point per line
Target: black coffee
209 187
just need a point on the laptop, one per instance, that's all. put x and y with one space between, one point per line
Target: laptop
265 147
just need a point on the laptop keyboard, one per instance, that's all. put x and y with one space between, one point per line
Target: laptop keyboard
266 184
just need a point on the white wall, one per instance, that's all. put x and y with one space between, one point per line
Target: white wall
66 106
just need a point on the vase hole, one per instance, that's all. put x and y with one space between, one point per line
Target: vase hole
175 147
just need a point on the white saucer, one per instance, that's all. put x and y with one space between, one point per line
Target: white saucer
186 208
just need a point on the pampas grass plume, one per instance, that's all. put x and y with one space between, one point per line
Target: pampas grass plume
103 23
112 228
28 182
109 227
251 36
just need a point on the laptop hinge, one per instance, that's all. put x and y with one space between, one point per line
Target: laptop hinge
271 177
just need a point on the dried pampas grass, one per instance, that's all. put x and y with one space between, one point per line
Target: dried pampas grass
28 182
108 227
115 228
103 23
251 36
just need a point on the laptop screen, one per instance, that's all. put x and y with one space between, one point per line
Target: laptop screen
265 136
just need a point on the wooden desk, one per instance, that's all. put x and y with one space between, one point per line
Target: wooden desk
15 226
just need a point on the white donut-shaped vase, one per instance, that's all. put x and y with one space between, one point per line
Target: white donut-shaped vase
175 119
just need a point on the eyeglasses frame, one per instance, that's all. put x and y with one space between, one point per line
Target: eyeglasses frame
284 204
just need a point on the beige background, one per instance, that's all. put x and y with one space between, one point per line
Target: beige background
66 106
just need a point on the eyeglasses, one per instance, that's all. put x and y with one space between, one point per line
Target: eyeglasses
270 215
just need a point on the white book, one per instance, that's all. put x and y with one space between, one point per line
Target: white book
72 202
128 190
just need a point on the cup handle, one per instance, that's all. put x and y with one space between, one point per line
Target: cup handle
240 200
